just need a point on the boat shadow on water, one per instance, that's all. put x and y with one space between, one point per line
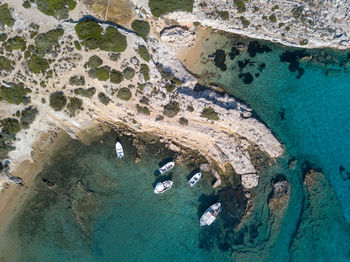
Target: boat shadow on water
162 178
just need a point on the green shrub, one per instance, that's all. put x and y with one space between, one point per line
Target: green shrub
183 121
58 100
224 15
28 115
143 52
273 18
144 70
196 23
171 109
47 41
3 37
77 80
89 32
160 7
38 64
303 42
95 61
77 45
209 113
10 126
56 8
128 73
5 64
5 16
116 76
85 92
141 27
113 41
26 4
190 108
14 94
16 43
142 110
103 98
102 73
74 105
114 56
240 6
244 21
124 94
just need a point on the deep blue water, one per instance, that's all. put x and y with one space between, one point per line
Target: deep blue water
103 209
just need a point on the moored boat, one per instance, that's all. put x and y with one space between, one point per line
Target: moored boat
210 214
194 179
166 167
161 187
119 150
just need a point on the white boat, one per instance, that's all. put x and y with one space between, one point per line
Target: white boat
161 187
166 167
119 150
210 214
194 179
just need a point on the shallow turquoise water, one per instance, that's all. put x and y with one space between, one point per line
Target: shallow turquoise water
104 209
310 114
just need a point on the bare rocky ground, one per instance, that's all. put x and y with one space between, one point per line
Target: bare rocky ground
154 95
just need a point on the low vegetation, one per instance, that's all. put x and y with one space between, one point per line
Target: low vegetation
56 8
116 76
128 73
95 61
160 7
10 126
209 113
89 92
16 43
103 98
183 121
143 52
240 5
74 105
144 70
171 109
5 64
38 64
58 100
47 41
142 110
28 116
124 94
141 27
102 73
113 41
77 80
14 93
5 17
273 18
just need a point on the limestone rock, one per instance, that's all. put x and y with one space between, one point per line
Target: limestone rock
250 180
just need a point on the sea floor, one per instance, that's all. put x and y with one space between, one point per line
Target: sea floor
87 205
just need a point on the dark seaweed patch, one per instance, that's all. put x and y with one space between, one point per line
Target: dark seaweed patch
246 77
243 64
219 59
234 52
261 67
255 48
344 173
293 58
257 75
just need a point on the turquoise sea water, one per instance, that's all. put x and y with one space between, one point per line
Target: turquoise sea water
86 205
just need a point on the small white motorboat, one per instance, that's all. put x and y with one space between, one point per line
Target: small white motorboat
194 179
161 187
119 150
166 167
210 214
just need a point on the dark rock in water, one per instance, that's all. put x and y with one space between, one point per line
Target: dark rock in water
257 75
220 58
243 64
261 67
255 48
280 193
233 205
293 58
282 114
247 78
234 52
344 173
